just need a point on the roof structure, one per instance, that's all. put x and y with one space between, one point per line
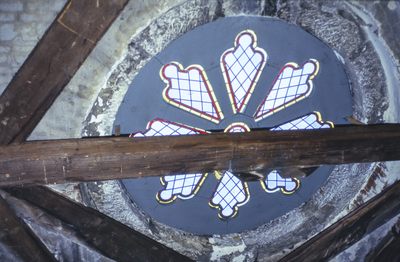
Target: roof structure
86 60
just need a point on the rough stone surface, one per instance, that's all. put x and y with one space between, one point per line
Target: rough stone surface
334 24
70 190
386 14
362 33
384 46
141 49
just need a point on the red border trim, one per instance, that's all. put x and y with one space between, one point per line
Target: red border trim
205 83
227 74
280 72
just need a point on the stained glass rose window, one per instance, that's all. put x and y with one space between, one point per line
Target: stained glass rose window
231 76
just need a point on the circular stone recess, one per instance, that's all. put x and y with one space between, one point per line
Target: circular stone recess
278 52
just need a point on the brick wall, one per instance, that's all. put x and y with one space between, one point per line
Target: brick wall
22 24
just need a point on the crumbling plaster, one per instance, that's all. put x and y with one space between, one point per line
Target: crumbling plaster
363 34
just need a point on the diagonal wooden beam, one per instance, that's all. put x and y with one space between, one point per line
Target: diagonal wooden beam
388 249
58 161
48 69
350 228
108 236
391 253
23 107
18 237
51 65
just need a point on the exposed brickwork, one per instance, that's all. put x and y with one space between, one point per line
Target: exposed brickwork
22 24
375 184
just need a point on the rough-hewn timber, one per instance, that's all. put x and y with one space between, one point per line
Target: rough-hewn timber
45 73
19 238
51 65
43 162
350 228
111 238
391 252
388 248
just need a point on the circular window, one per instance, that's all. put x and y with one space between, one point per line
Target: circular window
233 75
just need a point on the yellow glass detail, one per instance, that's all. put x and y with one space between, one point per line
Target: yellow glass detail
236 205
295 100
174 196
254 81
207 84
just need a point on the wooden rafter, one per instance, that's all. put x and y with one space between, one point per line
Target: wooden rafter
350 228
106 235
19 238
52 64
58 161
388 249
48 69
41 79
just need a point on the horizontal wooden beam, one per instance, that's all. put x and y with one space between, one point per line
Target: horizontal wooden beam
351 228
104 234
48 69
51 65
58 161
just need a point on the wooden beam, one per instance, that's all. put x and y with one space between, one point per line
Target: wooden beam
388 247
51 65
390 252
58 161
48 69
350 228
19 238
108 236
45 73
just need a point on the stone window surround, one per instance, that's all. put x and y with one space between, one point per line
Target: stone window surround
296 226
336 24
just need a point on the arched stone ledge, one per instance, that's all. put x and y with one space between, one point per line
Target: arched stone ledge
335 24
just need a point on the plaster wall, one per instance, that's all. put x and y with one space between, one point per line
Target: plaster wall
362 33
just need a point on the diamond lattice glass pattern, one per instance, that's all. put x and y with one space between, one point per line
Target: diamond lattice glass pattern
229 194
288 185
292 85
240 82
274 182
190 90
186 185
241 67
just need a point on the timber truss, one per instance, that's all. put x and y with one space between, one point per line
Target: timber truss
28 165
